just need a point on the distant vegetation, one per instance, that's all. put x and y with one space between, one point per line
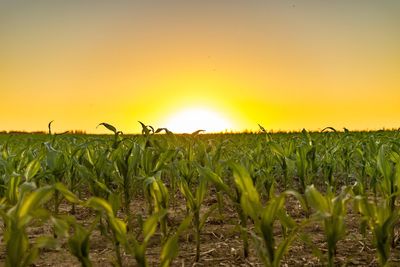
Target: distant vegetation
42 132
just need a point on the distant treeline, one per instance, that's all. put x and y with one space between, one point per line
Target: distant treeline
42 132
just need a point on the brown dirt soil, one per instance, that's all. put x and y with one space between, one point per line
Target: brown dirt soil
221 244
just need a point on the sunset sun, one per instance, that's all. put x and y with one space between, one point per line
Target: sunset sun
192 119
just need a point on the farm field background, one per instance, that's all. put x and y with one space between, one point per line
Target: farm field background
255 199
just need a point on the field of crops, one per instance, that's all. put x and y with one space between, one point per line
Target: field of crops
285 199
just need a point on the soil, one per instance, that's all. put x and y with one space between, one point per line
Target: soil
221 244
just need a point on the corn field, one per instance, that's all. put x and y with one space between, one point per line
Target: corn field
161 199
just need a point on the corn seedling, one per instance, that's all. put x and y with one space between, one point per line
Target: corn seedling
157 194
264 218
116 225
194 201
331 210
380 219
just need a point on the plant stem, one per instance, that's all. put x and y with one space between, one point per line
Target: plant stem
197 233
243 232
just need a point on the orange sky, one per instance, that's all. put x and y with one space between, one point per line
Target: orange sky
284 64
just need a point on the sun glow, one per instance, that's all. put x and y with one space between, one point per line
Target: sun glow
193 119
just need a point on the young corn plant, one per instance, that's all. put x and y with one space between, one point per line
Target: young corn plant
56 168
157 194
153 162
15 179
260 168
169 250
331 211
248 204
137 248
96 169
283 156
264 218
235 195
306 161
117 133
269 251
303 167
380 219
20 251
194 201
115 225
125 160
147 129
78 244
389 184
363 164
390 171
77 239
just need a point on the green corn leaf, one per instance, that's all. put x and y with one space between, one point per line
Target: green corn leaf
79 245
249 208
31 256
328 128
163 159
42 214
31 202
201 191
197 132
12 189
271 210
298 196
4 152
150 225
316 200
61 226
46 242
184 188
262 129
71 197
32 169
102 186
145 129
286 220
245 183
49 126
16 248
277 149
397 177
383 164
27 187
307 136
115 202
283 247
109 127
100 204
214 178
170 249
163 129
394 156
205 216
119 228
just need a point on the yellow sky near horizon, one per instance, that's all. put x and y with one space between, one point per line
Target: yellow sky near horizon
284 64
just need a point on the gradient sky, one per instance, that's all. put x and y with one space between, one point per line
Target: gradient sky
283 64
